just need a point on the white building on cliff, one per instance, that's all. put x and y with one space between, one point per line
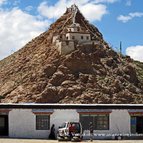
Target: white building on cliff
72 36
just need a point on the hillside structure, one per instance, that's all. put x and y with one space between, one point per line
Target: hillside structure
35 120
73 35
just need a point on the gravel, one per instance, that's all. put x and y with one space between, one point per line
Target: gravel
50 141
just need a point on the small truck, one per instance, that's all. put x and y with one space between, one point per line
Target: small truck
70 131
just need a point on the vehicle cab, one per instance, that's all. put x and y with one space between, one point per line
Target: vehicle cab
70 131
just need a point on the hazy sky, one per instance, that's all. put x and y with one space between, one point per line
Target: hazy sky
118 20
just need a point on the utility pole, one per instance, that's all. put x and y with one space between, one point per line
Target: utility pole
120 47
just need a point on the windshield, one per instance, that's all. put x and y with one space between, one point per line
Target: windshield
63 125
76 126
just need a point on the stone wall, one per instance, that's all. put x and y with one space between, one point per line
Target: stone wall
65 47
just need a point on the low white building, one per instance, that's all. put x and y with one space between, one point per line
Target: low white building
35 120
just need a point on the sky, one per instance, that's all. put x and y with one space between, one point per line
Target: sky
117 20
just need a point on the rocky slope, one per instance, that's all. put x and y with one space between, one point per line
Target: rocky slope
90 74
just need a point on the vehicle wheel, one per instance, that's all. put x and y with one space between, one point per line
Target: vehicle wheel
75 139
60 139
67 138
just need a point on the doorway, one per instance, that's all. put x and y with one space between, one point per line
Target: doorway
137 124
3 125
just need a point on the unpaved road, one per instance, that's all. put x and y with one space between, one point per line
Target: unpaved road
50 141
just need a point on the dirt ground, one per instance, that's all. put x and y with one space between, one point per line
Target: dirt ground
50 141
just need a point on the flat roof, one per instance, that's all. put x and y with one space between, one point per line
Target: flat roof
70 106
78 32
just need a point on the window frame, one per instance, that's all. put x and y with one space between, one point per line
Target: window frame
102 121
73 37
42 123
94 119
67 43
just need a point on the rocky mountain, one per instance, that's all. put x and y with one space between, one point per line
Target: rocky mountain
92 72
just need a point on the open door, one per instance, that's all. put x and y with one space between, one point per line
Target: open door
3 125
137 124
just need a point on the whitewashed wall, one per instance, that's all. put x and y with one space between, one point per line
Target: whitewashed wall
63 48
78 36
61 116
120 122
22 122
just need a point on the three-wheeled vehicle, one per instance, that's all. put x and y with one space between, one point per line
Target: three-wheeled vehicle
70 131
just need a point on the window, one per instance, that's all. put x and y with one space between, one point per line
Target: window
73 37
67 42
67 37
2 122
100 122
78 29
42 122
63 125
81 37
137 124
87 37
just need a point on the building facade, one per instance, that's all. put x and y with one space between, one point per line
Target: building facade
35 120
72 36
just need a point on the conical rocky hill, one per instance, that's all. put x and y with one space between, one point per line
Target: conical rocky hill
54 69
